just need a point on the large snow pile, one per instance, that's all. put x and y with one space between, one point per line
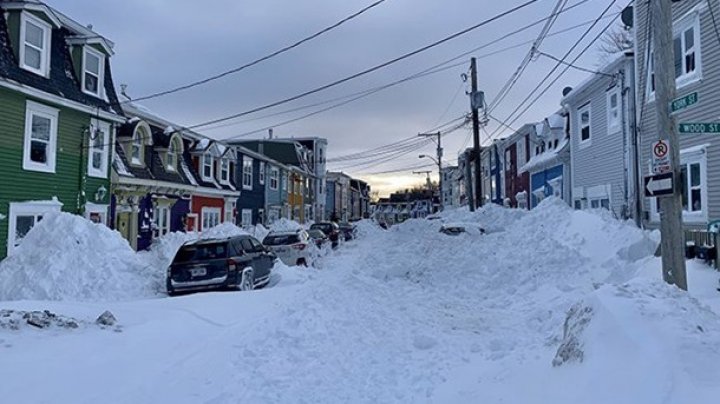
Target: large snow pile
223 230
284 224
67 257
163 249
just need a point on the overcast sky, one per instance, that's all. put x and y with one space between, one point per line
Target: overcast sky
161 44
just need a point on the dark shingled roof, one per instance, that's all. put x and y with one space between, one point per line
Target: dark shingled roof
63 80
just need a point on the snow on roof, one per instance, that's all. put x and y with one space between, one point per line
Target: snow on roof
187 172
169 130
539 128
120 166
556 120
203 144
544 157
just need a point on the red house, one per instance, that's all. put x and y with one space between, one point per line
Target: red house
517 154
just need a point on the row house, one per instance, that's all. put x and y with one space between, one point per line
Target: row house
401 206
491 173
317 161
58 118
338 197
516 154
359 200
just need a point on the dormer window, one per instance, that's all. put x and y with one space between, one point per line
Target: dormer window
140 138
93 72
224 171
207 167
172 154
35 48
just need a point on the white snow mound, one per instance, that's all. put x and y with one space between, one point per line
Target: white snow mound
67 257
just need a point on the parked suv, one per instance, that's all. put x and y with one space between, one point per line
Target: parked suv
240 262
332 230
348 230
292 247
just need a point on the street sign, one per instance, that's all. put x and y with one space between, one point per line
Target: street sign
683 102
699 128
659 185
661 157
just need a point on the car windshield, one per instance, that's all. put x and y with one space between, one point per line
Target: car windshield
198 252
281 239
325 227
314 233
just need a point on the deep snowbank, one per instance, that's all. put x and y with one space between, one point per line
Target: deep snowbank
66 257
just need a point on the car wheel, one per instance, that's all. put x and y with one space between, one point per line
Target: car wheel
301 261
247 279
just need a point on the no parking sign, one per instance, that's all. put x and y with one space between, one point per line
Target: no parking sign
661 157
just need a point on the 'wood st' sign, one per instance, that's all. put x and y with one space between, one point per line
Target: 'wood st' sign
690 128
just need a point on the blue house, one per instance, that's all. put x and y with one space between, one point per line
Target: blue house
492 169
252 179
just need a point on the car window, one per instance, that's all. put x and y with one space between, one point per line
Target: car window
236 248
257 247
247 245
201 252
281 239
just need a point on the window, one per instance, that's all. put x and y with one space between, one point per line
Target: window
224 170
584 122
93 72
274 174
261 174
98 150
577 204
521 153
137 147
692 185
96 213
613 110
247 176
246 217
40 138
210 217
161 219
173 153
25 215
230 210
686 54
207 167
35 48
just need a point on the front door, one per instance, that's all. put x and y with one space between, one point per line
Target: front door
124 225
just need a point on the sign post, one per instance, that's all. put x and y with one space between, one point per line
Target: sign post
659 185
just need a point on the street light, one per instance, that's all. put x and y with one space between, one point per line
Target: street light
439 164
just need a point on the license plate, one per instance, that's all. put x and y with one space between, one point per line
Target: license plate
194 272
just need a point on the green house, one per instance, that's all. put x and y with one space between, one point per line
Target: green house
58 113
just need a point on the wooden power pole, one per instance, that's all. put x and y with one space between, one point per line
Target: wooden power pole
475 104
671 230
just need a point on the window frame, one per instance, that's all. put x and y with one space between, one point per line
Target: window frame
35 109
247 173
139 134
580 110
246 214
225 170
174 153
210 212
261 173
104 127
614 125
164 213
101 71
688 157
34 209
206 160
44 69
102 210
274 177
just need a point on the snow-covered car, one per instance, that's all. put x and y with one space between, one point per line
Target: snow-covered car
291 247
348 231
454 229
239 262
318 237
331 229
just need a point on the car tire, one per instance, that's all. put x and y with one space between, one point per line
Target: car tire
301 261
247 279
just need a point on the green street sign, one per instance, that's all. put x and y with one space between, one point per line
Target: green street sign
684 102
699 128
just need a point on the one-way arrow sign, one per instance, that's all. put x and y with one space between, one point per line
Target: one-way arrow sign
659 184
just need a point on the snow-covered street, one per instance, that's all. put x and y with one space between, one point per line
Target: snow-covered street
406 315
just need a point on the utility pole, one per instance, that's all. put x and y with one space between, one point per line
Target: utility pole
673 257
475 104
428 183
439 161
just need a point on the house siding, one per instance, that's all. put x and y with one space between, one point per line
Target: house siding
706 110
605 161
19 185
254 198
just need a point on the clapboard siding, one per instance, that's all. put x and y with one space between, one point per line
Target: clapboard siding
708 88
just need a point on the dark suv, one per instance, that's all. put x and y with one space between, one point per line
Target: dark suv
237 262
332 230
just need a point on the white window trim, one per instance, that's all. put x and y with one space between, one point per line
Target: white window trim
247 163
176 155
697 154
208 178
101 72
613 128
261 173
274 175
47 41
91 208
679 26
104 127
230 206
143 142
224 172
27 209
33 108
162 230
584 143
210 211
246 214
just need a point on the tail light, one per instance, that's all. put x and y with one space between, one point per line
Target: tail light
299 246
232 265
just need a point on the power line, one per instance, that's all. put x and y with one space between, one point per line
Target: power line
552 71
370 70
582 69
262 59
399 169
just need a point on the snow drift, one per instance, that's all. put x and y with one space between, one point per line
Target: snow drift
66 257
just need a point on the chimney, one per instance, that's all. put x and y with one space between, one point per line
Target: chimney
270 133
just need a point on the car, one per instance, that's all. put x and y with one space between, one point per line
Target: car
349 231
454 229
319 237
331 229
291 247
239 262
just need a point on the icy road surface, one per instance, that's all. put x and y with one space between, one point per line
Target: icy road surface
407 315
